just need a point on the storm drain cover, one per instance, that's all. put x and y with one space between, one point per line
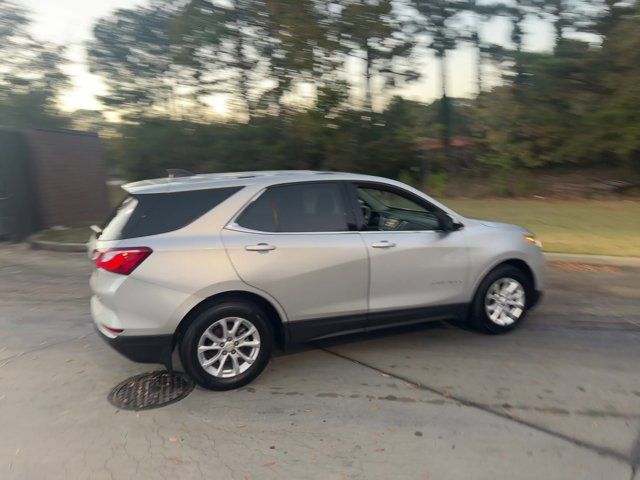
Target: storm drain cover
150 390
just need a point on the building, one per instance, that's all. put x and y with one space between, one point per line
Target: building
50 178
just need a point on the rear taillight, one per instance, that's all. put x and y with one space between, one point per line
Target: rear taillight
121 260
112 330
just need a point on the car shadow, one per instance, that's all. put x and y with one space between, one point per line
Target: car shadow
353 338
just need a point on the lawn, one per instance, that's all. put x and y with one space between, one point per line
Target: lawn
602 227
68 235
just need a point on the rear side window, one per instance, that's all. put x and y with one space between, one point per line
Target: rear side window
154 213
309 207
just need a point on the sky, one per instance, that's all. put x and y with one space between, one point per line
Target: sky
70 22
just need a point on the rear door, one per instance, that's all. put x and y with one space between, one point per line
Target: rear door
298 243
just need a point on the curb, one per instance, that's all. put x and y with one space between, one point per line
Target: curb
593 259
55 246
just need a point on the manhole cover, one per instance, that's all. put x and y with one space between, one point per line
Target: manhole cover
150 390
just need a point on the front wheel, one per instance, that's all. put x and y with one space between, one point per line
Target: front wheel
501 301
227 345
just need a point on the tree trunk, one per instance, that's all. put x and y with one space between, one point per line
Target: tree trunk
479 50
558 25
445 116
478 46
368 104
517 39
244 77
424 170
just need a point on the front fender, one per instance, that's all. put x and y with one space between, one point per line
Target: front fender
535 266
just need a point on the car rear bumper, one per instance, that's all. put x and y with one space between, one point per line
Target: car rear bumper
143 348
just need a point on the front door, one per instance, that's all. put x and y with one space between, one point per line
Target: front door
295 242
415 267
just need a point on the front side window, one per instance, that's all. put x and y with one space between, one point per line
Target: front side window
308 207
388 210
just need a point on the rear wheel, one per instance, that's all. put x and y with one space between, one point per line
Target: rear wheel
502 300
227 345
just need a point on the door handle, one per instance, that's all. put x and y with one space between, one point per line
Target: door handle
260 247
383 244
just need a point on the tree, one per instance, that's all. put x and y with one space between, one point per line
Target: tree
571 16
131 51
30 77
436 20
370 32
517 13
262 50
573 106
480 13
609 130
611 15
227 42
302 46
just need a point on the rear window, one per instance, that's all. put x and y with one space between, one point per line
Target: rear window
310 207
154 213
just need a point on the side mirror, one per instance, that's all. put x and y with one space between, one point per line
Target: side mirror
447 224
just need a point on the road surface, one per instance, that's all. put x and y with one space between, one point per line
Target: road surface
558 398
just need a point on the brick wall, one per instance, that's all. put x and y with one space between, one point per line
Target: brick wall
69 177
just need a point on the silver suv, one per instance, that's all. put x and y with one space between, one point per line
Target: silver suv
224 267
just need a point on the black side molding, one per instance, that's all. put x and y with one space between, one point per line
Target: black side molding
314 329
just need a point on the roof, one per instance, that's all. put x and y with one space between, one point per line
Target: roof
234 179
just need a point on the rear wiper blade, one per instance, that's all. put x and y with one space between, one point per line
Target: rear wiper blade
96 229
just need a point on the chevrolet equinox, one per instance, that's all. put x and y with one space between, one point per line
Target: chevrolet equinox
223 267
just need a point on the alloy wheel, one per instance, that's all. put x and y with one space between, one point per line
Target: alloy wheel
505 301
228 347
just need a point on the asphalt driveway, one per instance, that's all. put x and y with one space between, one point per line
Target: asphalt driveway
558 398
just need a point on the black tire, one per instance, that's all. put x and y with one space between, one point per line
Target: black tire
188 347
478 315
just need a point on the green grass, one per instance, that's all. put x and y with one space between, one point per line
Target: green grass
69 235
601 227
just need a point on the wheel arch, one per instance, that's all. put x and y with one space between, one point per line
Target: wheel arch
523 267
273 316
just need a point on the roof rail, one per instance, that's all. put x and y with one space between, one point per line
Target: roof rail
179 172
